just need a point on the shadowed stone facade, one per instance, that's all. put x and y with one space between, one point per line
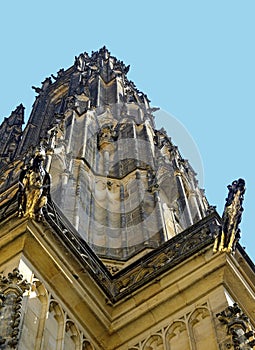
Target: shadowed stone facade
105 222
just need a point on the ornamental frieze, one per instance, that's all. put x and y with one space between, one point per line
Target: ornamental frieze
145 269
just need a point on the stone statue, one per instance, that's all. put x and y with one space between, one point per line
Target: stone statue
34 187
230 233
238 326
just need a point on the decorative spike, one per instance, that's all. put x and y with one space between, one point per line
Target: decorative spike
232 215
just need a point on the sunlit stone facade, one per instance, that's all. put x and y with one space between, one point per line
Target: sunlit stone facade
106 239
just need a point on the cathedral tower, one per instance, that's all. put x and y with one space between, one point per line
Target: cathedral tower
121 183
107 240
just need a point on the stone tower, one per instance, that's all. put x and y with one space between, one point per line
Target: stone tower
107 240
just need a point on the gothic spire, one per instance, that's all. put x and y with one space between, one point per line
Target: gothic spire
10 134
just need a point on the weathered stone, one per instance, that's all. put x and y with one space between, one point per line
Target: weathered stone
122 256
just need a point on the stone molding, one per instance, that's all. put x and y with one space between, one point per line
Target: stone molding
143 270
12 289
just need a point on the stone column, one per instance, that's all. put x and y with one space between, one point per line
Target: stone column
70 136
85 133
91 215
174 221
141 205
76 217
64 181
98 92
183 199
161 220
50 150
123 222
106 156
195 210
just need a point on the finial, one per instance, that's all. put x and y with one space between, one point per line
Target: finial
232 215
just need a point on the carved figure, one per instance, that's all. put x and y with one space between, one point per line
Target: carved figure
34 187
230 233
107 135
37 89
152 181
238 326
60 73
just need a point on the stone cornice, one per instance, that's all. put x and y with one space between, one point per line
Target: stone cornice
66 263
143 270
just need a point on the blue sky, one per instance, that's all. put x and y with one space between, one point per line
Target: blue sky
194 59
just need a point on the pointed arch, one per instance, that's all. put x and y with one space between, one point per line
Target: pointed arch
201 329
86 345
153 342
54 327
72 337
35 316
177 337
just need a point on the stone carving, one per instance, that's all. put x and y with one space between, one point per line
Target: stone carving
12 289
59 74
152 181
118 286
101 62
177 249
45 84
10 135
238 326
107 135
81 60
34 187
113 269
37 89
179 333
230 233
